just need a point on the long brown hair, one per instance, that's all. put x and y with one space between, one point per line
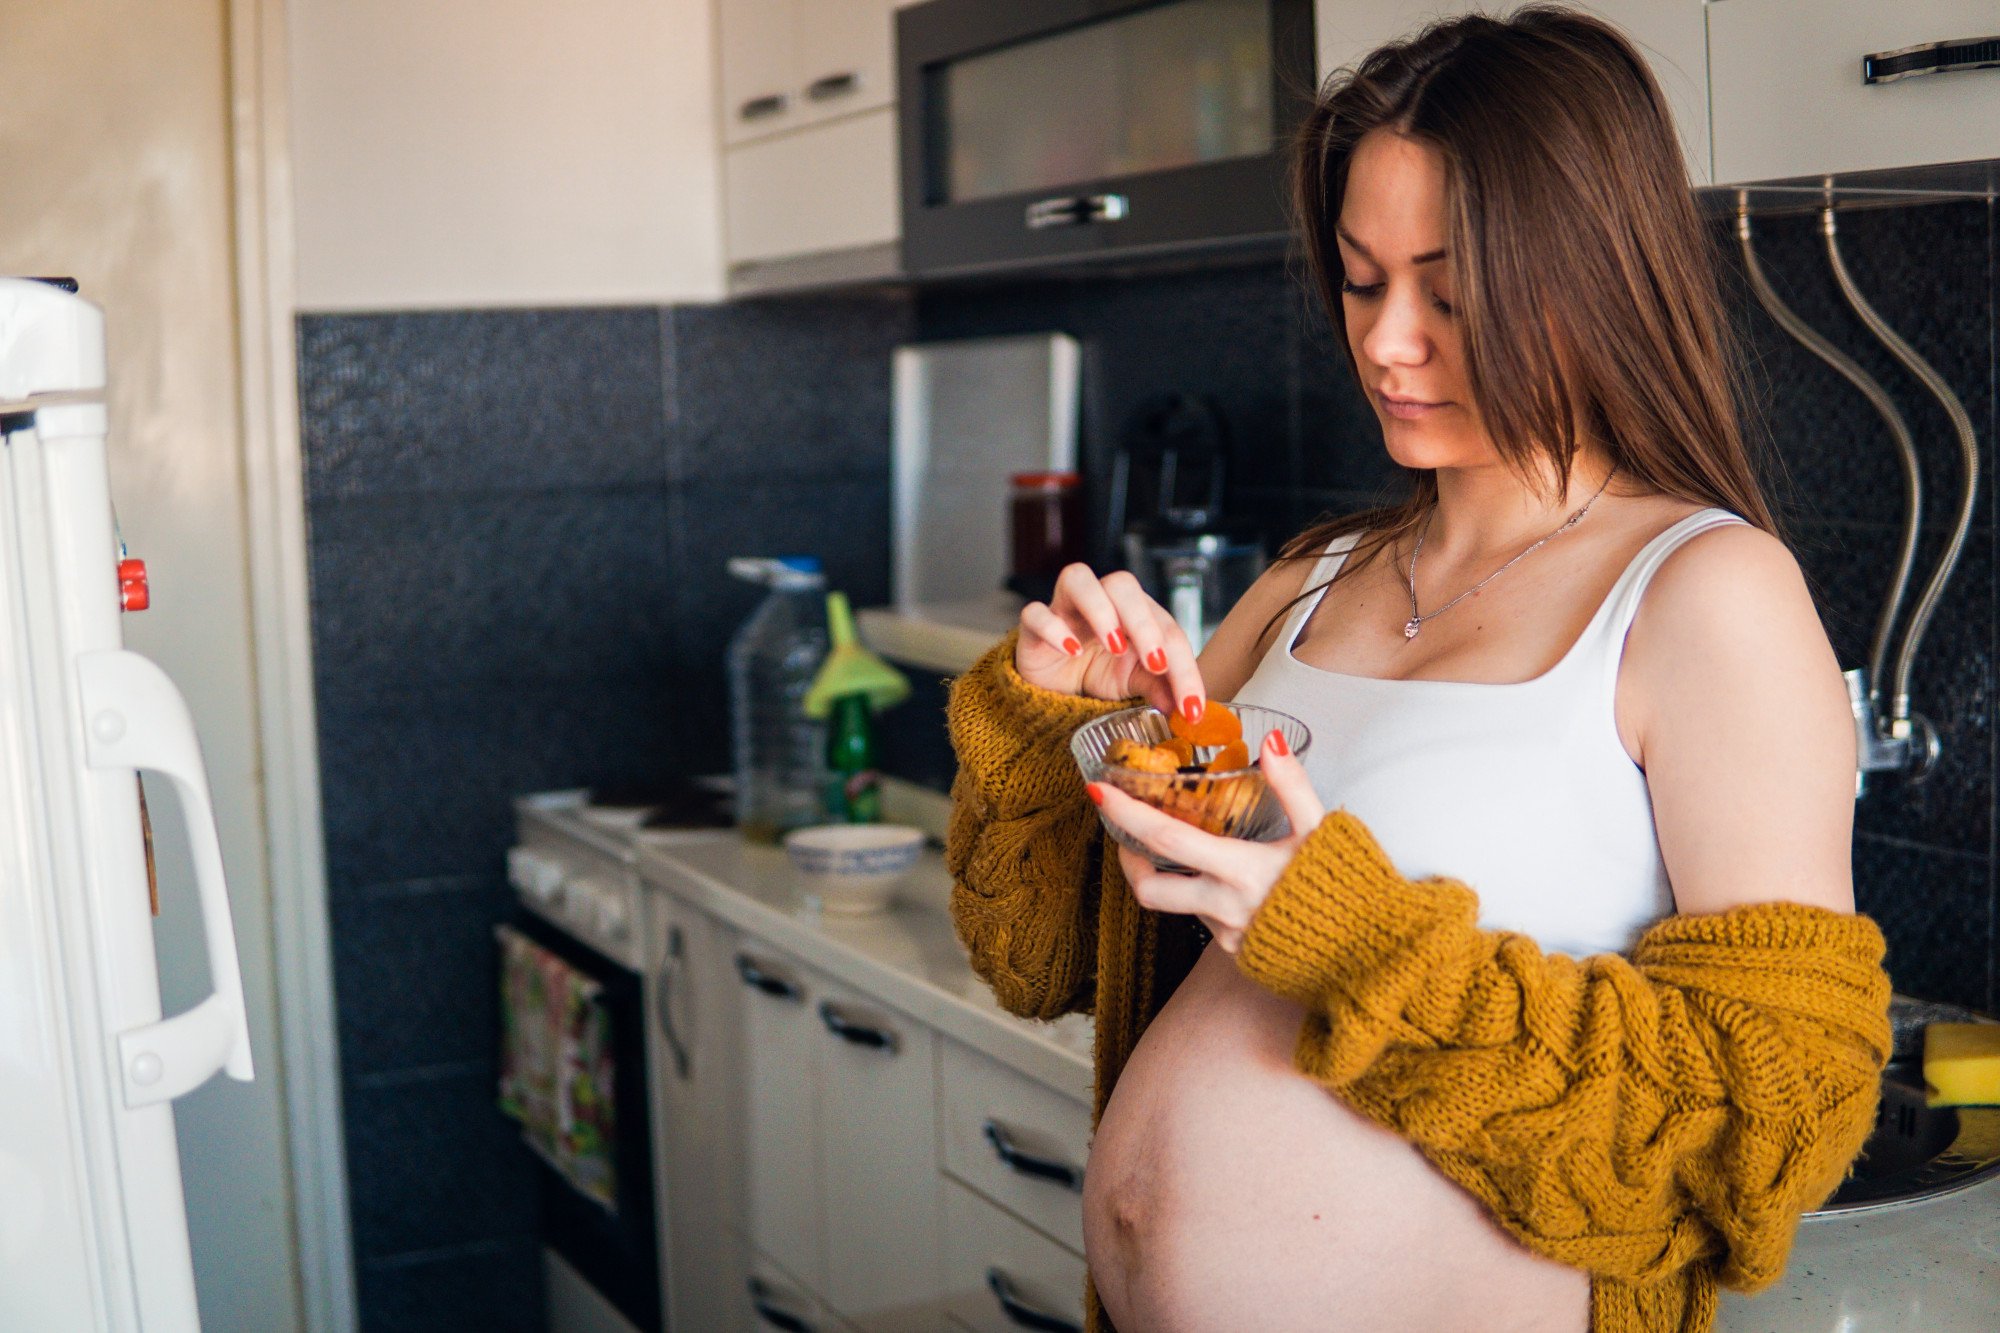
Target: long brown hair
1585 284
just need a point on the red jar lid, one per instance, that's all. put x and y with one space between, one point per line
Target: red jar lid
1044 481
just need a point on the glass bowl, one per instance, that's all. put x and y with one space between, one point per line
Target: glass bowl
1235 803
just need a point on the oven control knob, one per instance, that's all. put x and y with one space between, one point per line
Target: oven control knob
611 917
533 873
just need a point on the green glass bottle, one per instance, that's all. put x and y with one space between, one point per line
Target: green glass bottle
854 786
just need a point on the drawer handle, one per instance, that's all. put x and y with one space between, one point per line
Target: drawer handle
1019 1311
759 107
670 973
1041 1168
1931 58
833 85
777 1316
840 1025
754 975
1076 210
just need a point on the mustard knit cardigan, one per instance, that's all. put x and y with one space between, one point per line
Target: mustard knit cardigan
1659 1120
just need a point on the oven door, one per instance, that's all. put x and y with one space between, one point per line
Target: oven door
1044 131
615 1250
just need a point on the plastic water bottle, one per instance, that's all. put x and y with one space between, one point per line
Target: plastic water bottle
780 753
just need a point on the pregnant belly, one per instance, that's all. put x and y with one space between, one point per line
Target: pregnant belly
1228 1191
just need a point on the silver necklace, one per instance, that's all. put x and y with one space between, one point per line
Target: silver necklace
1416 622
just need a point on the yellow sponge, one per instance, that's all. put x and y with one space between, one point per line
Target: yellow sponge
1962 1063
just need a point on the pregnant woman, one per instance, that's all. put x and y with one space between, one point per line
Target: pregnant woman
1563 1016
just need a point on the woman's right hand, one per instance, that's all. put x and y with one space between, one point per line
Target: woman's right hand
1107 639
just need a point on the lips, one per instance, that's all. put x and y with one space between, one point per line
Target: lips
1407 408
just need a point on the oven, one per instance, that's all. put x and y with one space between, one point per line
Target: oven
1046 131
577 926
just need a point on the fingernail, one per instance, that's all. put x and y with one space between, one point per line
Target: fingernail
1191 708
1276 742
1094 792
1156 661
1072 647
1115 641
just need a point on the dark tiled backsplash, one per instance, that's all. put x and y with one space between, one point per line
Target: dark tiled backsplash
519 521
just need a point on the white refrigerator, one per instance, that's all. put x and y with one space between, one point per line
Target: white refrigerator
93 1228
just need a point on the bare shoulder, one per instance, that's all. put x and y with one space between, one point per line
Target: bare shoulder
1246 633
1744 729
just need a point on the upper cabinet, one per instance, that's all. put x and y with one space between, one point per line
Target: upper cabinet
807 94
1791 97
1669 33
788 63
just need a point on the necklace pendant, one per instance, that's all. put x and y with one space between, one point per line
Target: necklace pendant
1410 628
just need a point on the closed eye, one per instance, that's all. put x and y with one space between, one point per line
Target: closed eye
1372 290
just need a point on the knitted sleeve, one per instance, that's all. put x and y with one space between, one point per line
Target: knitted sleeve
1630 1116
1025 846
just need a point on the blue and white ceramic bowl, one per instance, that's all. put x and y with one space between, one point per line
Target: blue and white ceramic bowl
853 868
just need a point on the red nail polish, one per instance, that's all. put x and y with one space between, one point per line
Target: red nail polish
1191 708
1115 641
1072 647
1276 740
1156 661
1094 792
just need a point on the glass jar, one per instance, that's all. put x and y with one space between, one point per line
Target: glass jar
1046 509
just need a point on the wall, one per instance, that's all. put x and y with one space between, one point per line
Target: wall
459 153
518 527
114 143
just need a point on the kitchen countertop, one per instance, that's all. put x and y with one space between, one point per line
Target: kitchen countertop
1932 1265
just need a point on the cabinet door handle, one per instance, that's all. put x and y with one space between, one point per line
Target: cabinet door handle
1019 1311
670 974
1041 1168
1076 210
754 975
840 1025
833 85
756 108
1931 58
777 1316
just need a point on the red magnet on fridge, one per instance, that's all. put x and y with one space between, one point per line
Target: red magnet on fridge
133 594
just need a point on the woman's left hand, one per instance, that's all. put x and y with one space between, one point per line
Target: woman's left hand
1233 876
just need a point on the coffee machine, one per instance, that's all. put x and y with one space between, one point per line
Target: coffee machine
1174 448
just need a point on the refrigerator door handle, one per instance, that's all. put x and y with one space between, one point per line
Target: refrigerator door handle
134 718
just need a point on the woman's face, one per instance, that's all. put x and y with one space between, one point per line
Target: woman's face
1397 301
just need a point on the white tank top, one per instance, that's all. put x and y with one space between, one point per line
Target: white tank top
1522 791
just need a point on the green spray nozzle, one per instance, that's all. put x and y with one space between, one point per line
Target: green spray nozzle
850 668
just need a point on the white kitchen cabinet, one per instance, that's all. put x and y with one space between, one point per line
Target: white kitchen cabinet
1001 1275
696 1042
877 1115
1017 1142
790 63
775 1300
1669 32
1789 100
831 187
782 1044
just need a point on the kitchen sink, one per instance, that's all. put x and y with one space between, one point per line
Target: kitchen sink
1917 1151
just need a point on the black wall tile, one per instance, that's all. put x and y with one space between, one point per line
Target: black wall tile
1936 908
417 972
490 1287
481 400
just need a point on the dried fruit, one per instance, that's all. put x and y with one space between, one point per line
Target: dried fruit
1140 757
1183 750
1217 725
1233 755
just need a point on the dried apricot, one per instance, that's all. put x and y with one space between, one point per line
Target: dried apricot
1183 750
1141 757
1217 725
1233 755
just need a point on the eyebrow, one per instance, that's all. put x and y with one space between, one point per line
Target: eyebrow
1427 257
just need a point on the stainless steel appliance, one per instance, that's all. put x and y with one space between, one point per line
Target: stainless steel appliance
580 900
1057 130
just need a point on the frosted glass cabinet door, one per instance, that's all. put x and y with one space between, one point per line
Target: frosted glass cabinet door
1669 33
783 1045
878 1131
1790 100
